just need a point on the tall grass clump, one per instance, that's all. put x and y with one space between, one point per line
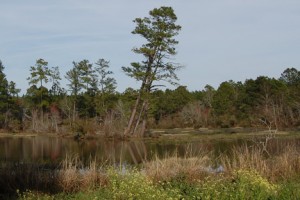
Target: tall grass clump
189 167
74 176
284 165
245 157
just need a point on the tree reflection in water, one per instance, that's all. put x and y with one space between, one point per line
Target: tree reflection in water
42 149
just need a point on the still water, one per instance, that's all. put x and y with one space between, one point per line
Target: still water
52 150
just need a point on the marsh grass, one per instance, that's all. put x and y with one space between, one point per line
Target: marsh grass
75 176
173 167
287 165
248 172
241 184
283 166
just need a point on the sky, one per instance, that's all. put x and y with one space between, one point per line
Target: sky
220 40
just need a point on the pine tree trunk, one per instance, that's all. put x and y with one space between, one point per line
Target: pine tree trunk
145 118
139 119
133 115
145 90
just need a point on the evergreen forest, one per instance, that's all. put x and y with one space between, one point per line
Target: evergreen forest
90 104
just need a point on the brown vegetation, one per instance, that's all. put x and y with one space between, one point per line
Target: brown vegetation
74 176
285 165
167 169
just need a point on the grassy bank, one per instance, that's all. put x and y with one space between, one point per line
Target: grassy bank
246 173
242 184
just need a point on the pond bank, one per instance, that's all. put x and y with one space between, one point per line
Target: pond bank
156 133
249 174
179 159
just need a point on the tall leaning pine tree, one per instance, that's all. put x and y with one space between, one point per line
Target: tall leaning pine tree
159 30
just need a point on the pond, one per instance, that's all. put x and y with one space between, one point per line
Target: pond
52 150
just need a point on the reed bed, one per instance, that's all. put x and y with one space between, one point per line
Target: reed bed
173 167
74 176
284 166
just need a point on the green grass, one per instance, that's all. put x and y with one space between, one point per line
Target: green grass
192 135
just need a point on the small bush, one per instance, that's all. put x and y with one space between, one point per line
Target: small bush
134 185
242 185
289 190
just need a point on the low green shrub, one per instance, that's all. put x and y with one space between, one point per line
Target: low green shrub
243 184
289 191
186 190
30 195
134 185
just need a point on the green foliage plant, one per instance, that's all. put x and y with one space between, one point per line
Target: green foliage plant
243 184
135 185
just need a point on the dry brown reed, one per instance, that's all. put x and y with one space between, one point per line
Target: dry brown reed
172 167
245 157
285 165
69 177
74 177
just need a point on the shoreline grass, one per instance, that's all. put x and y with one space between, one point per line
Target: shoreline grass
247 172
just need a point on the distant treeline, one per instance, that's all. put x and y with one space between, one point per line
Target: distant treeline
90 103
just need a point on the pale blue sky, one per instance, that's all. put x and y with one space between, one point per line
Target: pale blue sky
219 41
